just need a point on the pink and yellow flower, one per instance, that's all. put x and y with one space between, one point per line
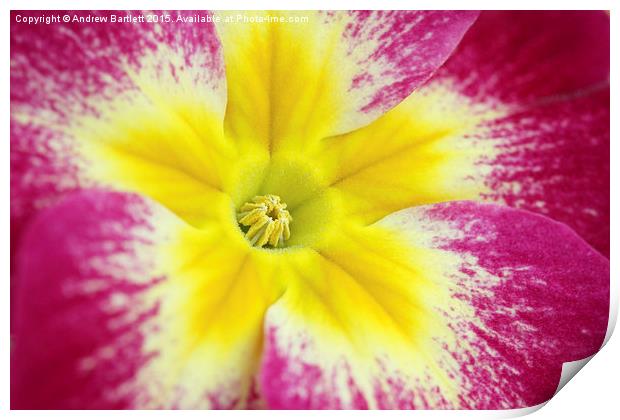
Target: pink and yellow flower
334 210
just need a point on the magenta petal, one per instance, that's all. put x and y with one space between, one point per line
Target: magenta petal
76 345
527 295
554 160
121 304
395 52
523 56
540 294
63 70
548 73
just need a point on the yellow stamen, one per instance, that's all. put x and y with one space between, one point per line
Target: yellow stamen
267 219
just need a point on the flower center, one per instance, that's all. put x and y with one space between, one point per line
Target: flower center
266 220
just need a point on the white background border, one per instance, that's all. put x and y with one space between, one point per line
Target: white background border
594 391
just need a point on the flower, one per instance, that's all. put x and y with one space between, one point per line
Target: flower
329 210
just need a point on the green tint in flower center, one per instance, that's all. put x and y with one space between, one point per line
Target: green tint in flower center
291 184
267 219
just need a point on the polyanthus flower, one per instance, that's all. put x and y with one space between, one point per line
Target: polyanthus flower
334 210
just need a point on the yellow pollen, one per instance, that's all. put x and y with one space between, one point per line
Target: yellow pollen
267 219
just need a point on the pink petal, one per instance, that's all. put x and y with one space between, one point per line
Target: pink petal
62 328
526 295
525 56
554 160
540 294
64 70
548 73
395 52
112 297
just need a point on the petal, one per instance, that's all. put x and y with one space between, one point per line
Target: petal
554 160
308 75
415 154
550 69
464 135
351 326
524 56
531 295
78 86
488 303
123 305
